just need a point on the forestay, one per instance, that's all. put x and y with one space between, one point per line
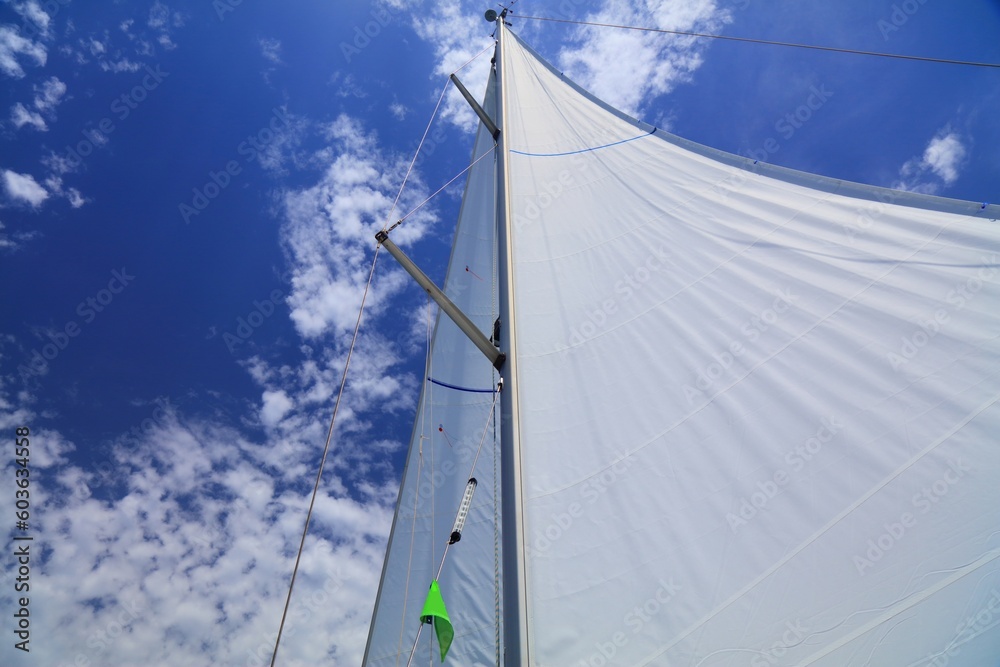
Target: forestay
759 412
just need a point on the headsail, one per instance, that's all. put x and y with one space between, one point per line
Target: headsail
452 414
758 408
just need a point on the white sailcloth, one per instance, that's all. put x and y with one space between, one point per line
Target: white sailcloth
759 419
449 427
758 409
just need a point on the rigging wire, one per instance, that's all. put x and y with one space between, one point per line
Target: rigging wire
326 451
767 41
413 162
437 192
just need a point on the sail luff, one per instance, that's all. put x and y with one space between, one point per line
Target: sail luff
514 586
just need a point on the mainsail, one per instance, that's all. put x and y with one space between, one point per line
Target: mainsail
757 409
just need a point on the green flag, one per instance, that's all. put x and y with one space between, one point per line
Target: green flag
435 612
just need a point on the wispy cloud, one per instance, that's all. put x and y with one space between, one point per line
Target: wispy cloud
50 94
271 49
20 116
24 188
938 166
13 46
32 11
163 20
185 552
457 35
331 229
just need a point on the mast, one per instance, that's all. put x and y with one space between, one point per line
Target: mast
514 592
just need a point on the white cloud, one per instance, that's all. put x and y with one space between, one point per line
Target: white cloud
24 187
76 199
943 156
13 45
33 12
164 20
120 65
276 405
457 35
185 557
398 110
626 67
55 186
331 229
20 116
270 49
937 167
49 95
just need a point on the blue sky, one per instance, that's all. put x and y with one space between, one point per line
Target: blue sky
188 195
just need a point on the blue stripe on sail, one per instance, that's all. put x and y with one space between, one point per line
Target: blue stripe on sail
583 150
455 386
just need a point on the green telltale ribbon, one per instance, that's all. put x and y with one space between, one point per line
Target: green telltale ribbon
435 613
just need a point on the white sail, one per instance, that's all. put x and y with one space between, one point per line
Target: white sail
449 427
758 408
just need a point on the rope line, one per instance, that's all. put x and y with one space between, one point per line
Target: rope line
437 192
444 89
583 150
834 49
416 153
322 463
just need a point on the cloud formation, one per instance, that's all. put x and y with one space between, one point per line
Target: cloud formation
938 167
24 188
